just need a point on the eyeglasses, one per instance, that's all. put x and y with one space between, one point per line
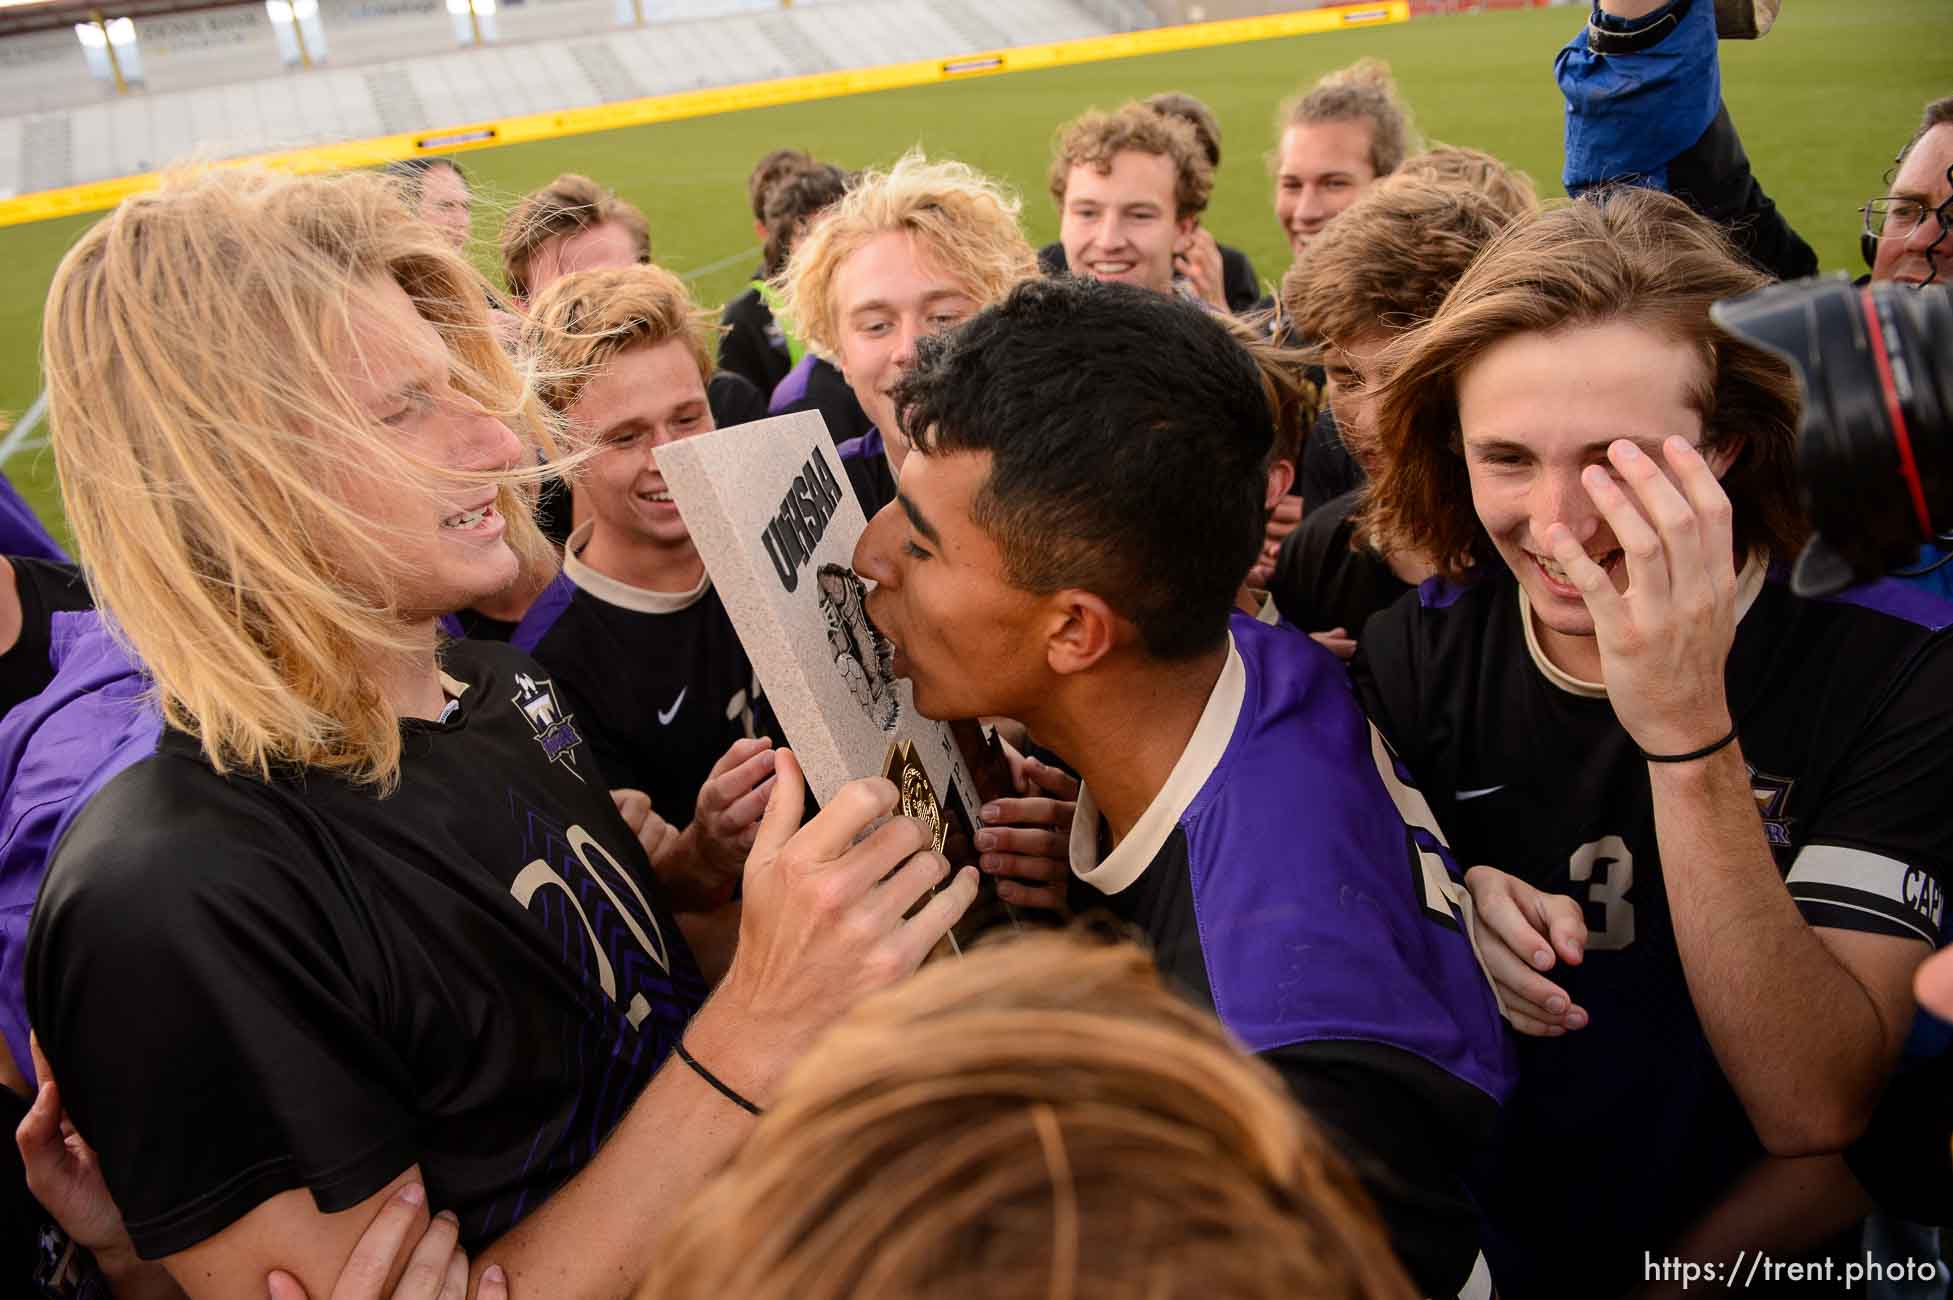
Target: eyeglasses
1892 217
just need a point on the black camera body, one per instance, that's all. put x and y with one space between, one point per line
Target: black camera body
1875 448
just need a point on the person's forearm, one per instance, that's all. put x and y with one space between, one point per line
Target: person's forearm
1798 1036
712 937
131 1278
1779 1207
595 1236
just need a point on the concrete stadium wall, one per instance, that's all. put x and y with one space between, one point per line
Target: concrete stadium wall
208 48
45 71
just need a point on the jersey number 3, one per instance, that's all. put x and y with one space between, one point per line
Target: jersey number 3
1607 869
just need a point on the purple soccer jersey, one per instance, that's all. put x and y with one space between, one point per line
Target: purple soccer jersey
1288 877
56 749
21 530
1319 913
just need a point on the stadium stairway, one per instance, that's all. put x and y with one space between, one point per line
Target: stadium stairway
690 49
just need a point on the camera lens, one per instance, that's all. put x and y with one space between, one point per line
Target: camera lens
1875 454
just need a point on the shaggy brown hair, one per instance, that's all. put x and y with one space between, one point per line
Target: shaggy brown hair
1511 189
773 167
794 200
568 205
1042 1118
1196 114
1389 260
1095 139
1628 255
1363 92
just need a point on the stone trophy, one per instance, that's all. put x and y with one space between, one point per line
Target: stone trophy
773 516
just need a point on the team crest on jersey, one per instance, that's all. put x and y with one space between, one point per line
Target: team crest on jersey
1772 794
555 730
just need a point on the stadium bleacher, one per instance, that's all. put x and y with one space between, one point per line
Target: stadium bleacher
206 93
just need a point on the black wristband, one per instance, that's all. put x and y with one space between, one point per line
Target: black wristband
1693 754
1632 40
713 1079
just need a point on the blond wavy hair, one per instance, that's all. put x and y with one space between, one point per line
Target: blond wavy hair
965 222
1093 139
577 325
195 345
1043 1118
568 205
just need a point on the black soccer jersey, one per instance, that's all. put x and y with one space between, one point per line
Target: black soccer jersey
1621 1132
751 342
658 682
1327 470
45 588
817 385
865 461
247 987
734 399
1320 583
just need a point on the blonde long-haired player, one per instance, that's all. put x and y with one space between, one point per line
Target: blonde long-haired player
365 917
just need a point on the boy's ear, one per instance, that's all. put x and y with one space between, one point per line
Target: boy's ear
1084 629
1281 477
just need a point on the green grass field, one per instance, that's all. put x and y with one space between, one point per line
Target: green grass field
1822 104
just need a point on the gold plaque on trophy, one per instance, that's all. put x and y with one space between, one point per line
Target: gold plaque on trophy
917 794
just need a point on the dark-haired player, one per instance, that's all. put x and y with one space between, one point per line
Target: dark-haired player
575 224
1717 811
1065 549
754 341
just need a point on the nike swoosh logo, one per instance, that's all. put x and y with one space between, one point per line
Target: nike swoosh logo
1478 794
666 715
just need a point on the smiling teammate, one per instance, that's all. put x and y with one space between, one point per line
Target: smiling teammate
1344 133
632 629
1716 809
1130 187
909 252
